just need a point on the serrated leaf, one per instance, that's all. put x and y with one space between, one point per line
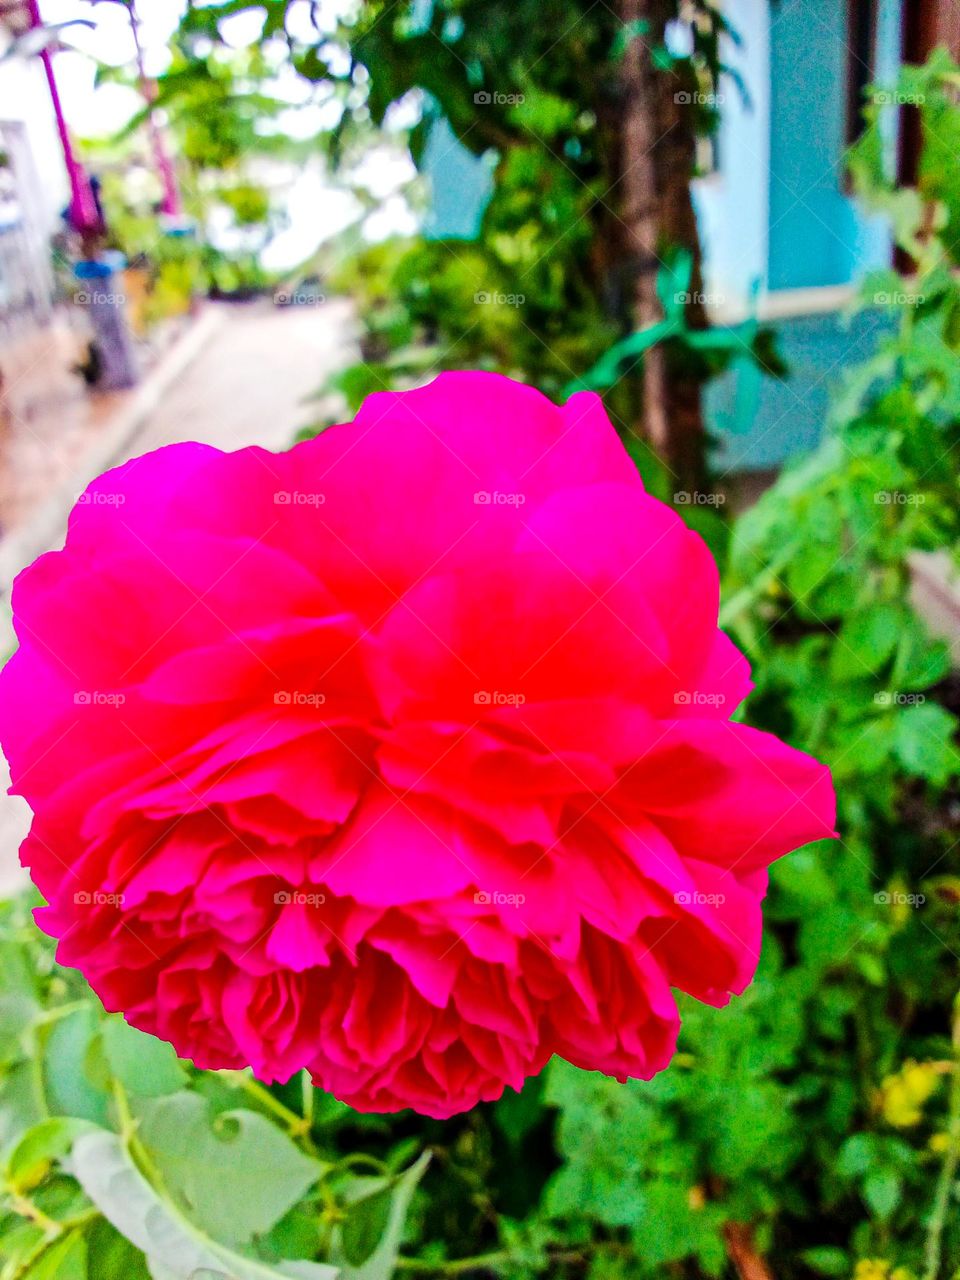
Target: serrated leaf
176 1249
70 1091
29 1161
65 1259
260 1173
17 1012
145 1066
827 1260
381 1263
365 1225
867 641
923 741
881 1190
19 1104
920 661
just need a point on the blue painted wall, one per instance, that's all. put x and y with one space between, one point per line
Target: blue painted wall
817 234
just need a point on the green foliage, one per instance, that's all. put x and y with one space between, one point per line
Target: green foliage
815 1120
117 1162
547 287
223 122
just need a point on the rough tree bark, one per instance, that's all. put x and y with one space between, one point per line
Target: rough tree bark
656 210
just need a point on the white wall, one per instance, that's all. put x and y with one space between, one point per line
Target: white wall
24 96
733 203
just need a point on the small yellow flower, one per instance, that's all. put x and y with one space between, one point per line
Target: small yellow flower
902 1095
879 1269
871 1269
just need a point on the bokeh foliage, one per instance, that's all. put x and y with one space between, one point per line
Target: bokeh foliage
812 1128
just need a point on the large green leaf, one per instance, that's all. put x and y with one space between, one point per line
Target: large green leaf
50 1140
235 1174
64 1259
377 1235
175 1247
144 1065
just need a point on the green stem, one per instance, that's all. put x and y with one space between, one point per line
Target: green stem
951 1163
308 1094
138 1152
56 1231
24 1207
458 1267
298 1126
360 1159
240 1080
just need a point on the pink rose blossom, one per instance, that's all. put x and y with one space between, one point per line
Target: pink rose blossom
404 757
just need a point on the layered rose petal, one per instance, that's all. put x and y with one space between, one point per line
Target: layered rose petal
404 757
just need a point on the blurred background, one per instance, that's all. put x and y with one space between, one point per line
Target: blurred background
737 221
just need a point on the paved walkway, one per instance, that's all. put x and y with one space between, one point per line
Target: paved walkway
250 384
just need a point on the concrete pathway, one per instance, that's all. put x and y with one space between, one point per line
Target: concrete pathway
250 383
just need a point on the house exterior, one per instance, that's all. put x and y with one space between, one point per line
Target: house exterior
781 233
778 210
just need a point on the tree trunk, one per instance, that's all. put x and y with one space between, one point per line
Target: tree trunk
656 211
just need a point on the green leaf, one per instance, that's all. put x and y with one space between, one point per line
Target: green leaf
70 1090
260 1173
920 661
827 1260
923 741
65 1259
380 1264
517 1113
144 1065
17 1012
367 1221
867 641
812 569
20 1107
176 1249
881 1190
30 1160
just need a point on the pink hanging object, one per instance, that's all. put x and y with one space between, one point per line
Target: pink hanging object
84 216
171 205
